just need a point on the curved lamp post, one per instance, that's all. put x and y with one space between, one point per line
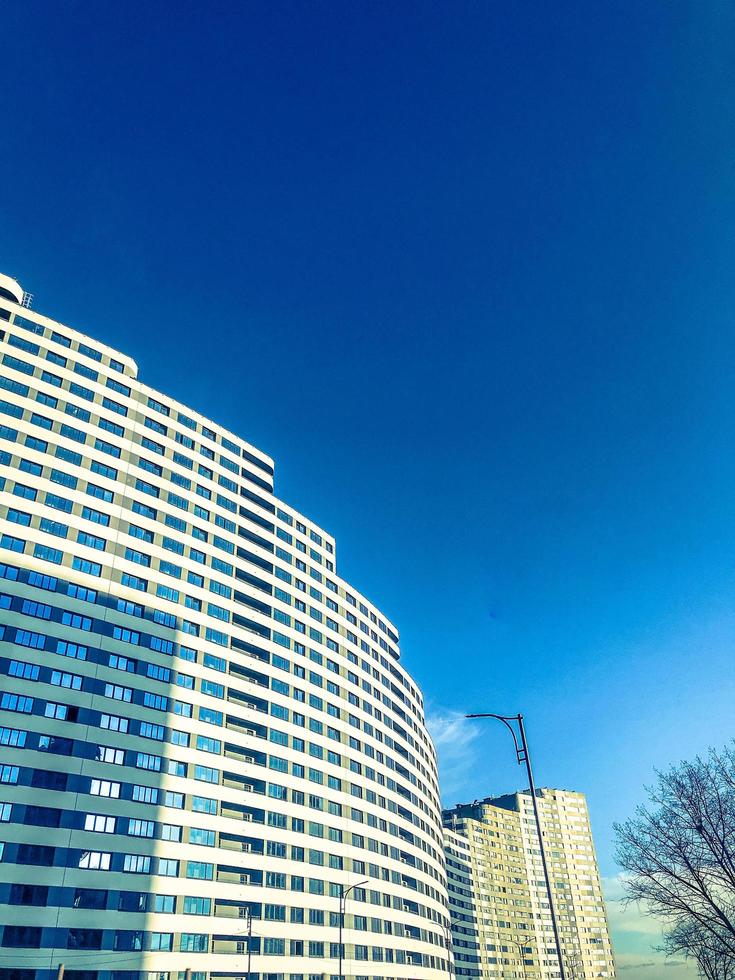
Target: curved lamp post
342 905
523 757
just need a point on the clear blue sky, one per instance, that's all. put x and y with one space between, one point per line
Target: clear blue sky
466 271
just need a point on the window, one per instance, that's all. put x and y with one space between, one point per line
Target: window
95 860
25 937
12 544
99 824
204 837
117 386
9 774
86 566
204 804
96 516
199 870
16 702
104 787
137 864
194 942
76 620
91 540
73 650
86 372
60 678
19 668
90 898
141 828
118 693
145 760
113 756
114 406
163 903
45 553
114 723
194 905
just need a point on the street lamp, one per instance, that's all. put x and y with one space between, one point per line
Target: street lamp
522 953
523 756
342 905
249 920
449 946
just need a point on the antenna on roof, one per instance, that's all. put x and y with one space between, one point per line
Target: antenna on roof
27 300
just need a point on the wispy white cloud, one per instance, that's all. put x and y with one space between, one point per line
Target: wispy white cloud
457 746
646 968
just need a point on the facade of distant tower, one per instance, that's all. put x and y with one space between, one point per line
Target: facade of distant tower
501 923
205 732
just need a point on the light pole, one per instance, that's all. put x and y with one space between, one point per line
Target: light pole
449 946
523 756
249 919
522 953
342 905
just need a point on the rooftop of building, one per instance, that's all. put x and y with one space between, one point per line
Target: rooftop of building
508 801
17 301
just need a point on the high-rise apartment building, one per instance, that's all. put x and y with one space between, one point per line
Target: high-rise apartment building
205 732
501 922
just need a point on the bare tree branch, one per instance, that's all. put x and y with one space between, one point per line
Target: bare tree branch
679 852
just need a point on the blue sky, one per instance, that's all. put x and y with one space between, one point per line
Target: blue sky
465 271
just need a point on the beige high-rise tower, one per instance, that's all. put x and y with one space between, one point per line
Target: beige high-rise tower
501 921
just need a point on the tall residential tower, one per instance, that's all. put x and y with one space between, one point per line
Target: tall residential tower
206 733
501 922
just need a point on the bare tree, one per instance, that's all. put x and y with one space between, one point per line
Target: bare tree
679 852
714 962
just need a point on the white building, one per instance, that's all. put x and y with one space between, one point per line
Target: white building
203 728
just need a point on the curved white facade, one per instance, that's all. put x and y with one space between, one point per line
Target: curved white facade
199 719
10 289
